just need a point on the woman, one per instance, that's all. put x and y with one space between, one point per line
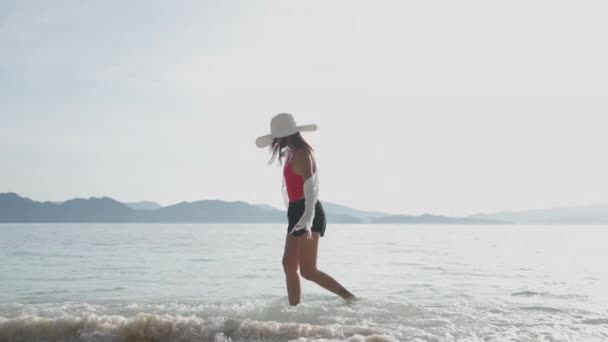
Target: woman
304 211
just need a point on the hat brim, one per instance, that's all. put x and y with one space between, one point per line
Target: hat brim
307 128
266 140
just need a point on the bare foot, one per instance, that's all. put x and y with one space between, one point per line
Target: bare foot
344 293
351 300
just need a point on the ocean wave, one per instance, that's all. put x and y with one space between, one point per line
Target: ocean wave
548 295
596 321
249 321
319 318
541 308
157 327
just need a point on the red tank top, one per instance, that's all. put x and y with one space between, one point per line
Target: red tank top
293 182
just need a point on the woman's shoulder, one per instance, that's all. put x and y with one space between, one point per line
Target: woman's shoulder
303 158
302 153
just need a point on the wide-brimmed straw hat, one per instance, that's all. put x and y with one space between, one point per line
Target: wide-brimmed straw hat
282 125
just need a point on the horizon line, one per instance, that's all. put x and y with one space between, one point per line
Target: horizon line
596 204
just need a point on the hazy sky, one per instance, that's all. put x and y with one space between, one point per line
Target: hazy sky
448 107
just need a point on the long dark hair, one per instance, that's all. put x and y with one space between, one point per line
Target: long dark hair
294 141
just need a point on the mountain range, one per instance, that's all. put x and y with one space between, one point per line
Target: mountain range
15 208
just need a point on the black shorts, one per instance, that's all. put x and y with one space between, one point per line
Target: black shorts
295 210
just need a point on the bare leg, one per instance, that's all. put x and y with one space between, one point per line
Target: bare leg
307 250
290 266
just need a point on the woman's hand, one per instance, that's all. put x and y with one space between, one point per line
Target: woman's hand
308 232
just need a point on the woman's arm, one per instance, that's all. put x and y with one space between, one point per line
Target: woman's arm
303 166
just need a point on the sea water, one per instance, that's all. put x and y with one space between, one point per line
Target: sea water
225 282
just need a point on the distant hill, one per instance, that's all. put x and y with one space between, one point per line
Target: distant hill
209 211
144 205
14 208
338 209
265 207
434 219
339 213
593 214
